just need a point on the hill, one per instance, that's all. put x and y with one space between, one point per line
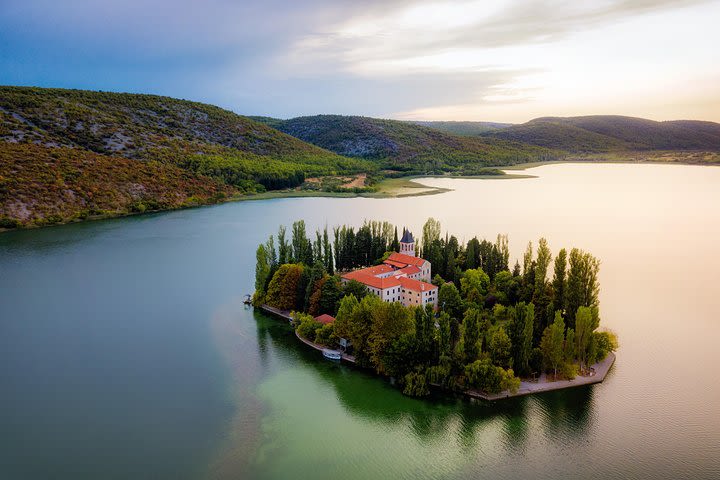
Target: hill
604 133
43 186
203 145
466 129
408 147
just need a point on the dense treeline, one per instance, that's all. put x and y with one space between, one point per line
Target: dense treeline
492 326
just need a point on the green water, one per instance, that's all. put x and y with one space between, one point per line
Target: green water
126 351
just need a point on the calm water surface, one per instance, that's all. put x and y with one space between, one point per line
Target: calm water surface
126 352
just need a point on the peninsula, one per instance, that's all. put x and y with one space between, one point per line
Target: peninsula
439 313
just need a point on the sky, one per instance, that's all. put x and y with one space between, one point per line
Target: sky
488 60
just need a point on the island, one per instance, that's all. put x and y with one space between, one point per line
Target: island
439 314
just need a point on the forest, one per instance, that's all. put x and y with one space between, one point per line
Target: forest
494 324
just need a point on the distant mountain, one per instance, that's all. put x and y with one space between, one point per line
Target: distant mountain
603 133
466 129
212 150
394 144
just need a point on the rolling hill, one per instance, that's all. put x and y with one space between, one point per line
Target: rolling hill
405 146
465 129
604 133
102 137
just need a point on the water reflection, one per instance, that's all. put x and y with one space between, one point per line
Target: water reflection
372 399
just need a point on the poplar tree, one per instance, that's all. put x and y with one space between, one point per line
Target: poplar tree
559 281
552 343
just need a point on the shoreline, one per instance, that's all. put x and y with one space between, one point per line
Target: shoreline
527 387
393 187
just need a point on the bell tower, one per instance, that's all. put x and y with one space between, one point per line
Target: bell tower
407 244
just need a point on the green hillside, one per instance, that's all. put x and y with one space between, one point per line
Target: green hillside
605 133
408 147
201 144
465 129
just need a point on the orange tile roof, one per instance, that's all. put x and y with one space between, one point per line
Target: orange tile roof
372 281
416 285
377 269
325 318
405 259
409 270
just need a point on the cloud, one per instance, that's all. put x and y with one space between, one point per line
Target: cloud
387 58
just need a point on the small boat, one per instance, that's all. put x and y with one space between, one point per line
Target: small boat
331 354
248 300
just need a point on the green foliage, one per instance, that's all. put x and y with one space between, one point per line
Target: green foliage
41 186
415 385
330 295
496 338
483 375
282 291
606 342
262 268
402 146
552 343
449 300
325 335
474 279
355 288
604 133
306 326
582 284
500 348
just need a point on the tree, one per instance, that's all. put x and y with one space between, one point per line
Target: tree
330 295
431 233
559 280
307 326
500 348
503 247
395 245
449 300
284 252
505 288
472 335
582 285
283 288
444 335
471 254
552 343
474 279
425 334
262 268
389 321
271 259
541 266
301 246
523 322
344 318
586 322
315 277
570 352
327 254
527 259
355 288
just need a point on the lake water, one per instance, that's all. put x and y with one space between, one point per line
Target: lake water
126 351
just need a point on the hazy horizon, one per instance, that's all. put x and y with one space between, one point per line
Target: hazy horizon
501 61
